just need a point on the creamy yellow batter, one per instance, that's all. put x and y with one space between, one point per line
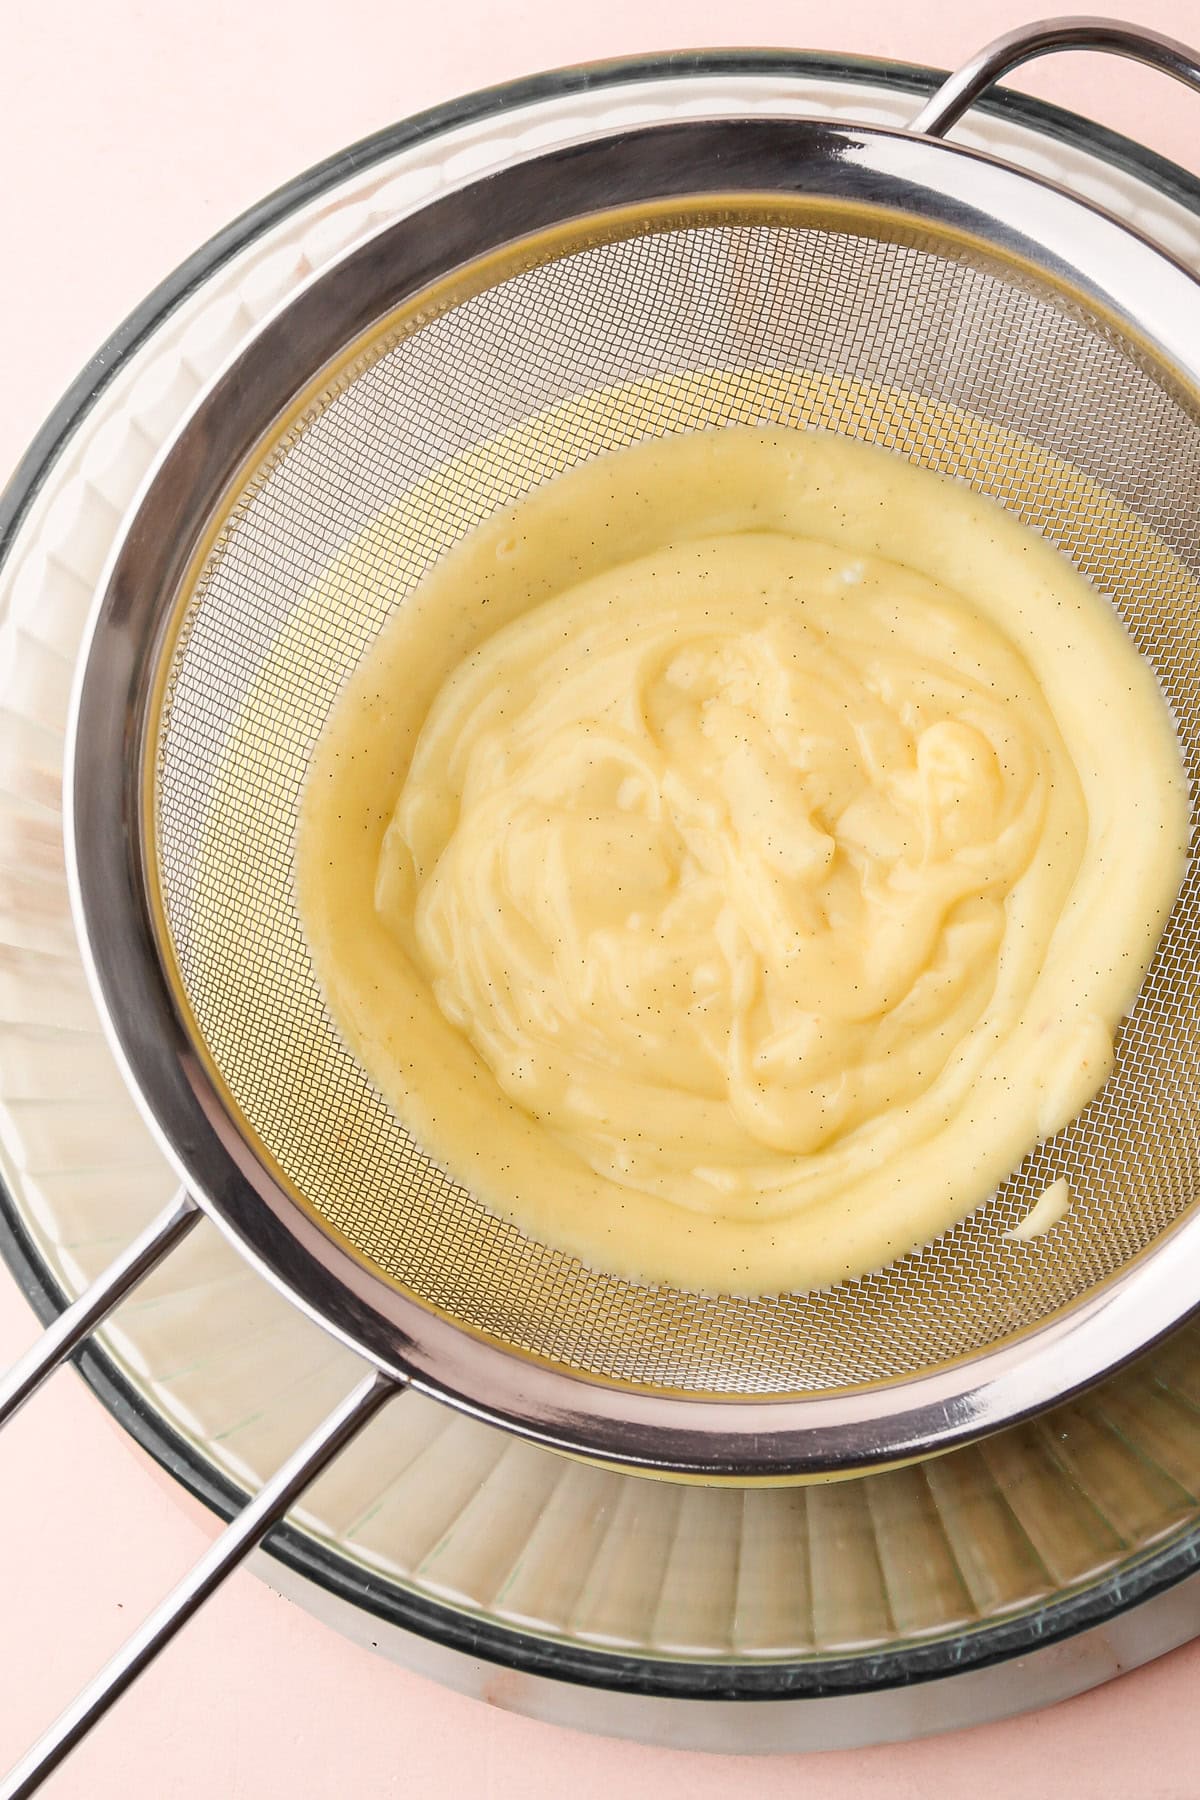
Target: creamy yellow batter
734 858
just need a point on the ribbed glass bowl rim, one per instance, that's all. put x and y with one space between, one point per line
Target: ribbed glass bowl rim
1146 1573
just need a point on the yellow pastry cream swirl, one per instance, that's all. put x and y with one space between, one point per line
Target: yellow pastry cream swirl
736 857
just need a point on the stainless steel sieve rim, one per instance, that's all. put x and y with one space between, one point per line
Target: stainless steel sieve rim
949 188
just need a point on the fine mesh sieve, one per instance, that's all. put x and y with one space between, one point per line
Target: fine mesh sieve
678 278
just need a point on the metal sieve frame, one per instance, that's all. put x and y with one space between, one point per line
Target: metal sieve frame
953 190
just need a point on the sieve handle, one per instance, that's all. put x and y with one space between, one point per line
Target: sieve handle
233 1545
1006 53
93 1307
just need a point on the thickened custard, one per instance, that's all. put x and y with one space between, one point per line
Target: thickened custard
734 858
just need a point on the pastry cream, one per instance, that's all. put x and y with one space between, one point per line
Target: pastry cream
733 858
1046 1212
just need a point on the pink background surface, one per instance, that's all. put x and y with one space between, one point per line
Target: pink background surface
129 132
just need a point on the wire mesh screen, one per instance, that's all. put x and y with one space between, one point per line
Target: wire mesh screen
693 325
